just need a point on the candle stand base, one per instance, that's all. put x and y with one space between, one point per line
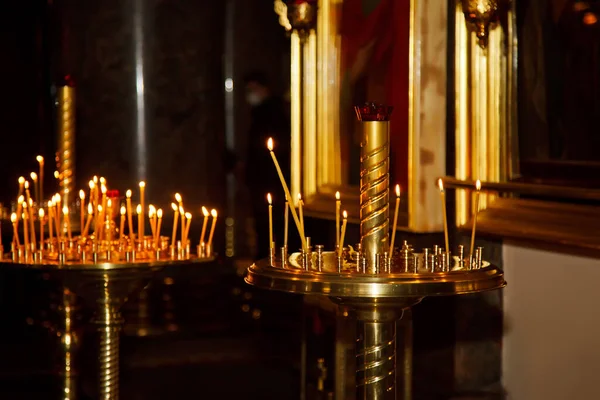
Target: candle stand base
378 301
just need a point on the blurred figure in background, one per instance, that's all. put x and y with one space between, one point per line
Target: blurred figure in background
269 118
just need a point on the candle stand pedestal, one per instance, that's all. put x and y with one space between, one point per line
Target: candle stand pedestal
377 300
104 287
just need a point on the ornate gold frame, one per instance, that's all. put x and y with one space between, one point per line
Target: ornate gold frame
315 92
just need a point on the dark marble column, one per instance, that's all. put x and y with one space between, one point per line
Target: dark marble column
149 94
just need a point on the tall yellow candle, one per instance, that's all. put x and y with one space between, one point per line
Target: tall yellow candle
444 215
139 212
159 214
90 210
40 161
287 193
50 218
182 212
151 217
68 220
21 185
92 186
122 223
343 234
188 217
179 200
338 207
13 219
36 193
81 209
477 193
286 219
204 224
25 226
270 201
130 216
30 211
301 214
395 225
142 223
20 202
175 220
41 215
213 212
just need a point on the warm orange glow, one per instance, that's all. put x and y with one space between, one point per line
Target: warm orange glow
213 212
13 217
21 180
269 198
345 214
337 195
40 159
128 194
41 213
142 184
90 209
178 197
478 185
103 189
397 190
159 213
92 184
26 185
33 176
151 210
65 210
441 185
123 210
270 144
188 215
138 209
82 195
174 206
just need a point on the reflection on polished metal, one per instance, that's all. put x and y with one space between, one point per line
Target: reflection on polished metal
483 15
66 142
106 286
378 284
297 15
69 343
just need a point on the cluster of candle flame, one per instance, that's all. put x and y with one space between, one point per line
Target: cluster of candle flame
341 230
98 231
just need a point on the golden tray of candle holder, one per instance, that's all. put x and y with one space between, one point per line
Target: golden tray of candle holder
375 280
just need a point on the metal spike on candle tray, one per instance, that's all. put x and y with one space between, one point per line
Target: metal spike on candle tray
100 238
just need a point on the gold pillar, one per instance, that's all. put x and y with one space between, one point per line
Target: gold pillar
66 142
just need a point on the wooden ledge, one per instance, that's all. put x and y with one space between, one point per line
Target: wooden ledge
573 228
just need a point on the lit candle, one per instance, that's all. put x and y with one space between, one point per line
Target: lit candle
287 193
342 236
179 200
50 219
34 179
81 209
41 217
395 225
182 213
13 219
301 214
270 201
444 216
90 210
21 185
68 220
138 210
213 212
92 192
175 220
151 217
20 202
204 224
159 214
25 226
59 230
40 160
143 205
188 217
338 207
477 192
122 224
130 217
286 219
98 225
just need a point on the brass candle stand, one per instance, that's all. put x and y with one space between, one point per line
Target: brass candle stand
103 280
375 282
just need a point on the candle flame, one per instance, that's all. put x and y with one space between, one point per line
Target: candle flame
13 217
128 193
30 202
478 185
337 195
205 211
397 190
20 199
174 207
92 184
181 211
66 210
178 197
213 212
56 174
95 179
102 180
82 195
109 203
40 159
142 184
26 184
345 214
123 210
151 210
159 213
90 209
33 176
51 203
99 208
270 144
138 209
21 180
188 215
269 198
441 185
41 213
103 189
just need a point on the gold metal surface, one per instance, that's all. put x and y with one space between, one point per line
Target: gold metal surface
316 156
485 95
374 189
66 143
482 16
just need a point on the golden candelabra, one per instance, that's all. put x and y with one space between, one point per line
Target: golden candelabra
374 279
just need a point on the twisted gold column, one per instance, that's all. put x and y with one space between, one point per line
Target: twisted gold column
66 142
374 190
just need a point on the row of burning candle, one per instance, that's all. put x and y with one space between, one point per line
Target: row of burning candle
341 230
100 211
